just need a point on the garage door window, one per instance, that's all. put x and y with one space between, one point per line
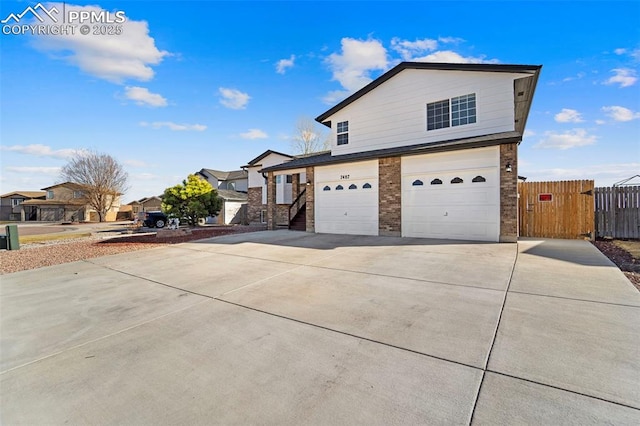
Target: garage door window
417 182
339 188
436 182
366 186
478 179
456 180
353 186
326 188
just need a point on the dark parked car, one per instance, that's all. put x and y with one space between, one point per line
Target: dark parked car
154 219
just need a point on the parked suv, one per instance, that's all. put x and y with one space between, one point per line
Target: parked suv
154 219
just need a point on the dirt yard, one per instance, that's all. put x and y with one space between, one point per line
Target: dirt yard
625 254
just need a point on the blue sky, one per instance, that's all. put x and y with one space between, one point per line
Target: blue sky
207 84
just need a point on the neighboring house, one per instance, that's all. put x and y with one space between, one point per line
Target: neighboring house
426 150
235 180
66 202
11 204
285 193
146 204
233 209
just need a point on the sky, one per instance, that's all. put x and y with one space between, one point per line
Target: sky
170 87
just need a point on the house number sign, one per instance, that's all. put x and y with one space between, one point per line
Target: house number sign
344 177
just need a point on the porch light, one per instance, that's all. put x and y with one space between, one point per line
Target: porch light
508 168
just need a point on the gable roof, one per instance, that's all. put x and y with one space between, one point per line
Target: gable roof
70 185
26 194
229 195
324 158
527 86
265 154
220 175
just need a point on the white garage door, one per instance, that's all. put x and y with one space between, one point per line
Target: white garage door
452 195
346 198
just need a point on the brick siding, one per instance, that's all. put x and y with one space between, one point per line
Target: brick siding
254 205
389 197
509 193
311 223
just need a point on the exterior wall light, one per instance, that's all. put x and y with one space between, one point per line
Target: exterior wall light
508 168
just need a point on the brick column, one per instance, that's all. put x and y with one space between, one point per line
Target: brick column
271 201
310 195
509 193
254 204
295 185
389 197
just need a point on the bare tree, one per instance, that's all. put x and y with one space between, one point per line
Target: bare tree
309 137
101 176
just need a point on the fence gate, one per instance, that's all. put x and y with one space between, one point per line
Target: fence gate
563 209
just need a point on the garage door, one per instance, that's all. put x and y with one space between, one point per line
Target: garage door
452 195
346 198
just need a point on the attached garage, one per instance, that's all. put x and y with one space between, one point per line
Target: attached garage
452 195
346 198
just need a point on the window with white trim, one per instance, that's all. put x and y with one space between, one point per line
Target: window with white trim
15 202
453 112
49 195
342 130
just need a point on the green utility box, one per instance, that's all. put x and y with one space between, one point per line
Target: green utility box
11 240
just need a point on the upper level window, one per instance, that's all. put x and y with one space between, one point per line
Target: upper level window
15 202
289 179
78 194
463 110
451 112
49 195
343 132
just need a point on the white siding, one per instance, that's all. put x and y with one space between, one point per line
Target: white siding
255 178
347 211
394 113
467 211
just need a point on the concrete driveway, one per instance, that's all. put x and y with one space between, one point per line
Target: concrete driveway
294 328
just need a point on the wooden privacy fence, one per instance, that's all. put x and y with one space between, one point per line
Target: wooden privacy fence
617 212
562 209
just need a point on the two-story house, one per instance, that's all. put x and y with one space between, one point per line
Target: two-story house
235 180
66 202
426 150
232 189
11 208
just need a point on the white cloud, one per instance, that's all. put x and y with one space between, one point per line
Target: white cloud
283 64
352 67
600 122
135 163
619 113
40 150
233 98
625 77
408 49
620 51
115 58
142 96
566 140
254 134
43 170
174 126
453 57
450 40
568 116
528 133
578 76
